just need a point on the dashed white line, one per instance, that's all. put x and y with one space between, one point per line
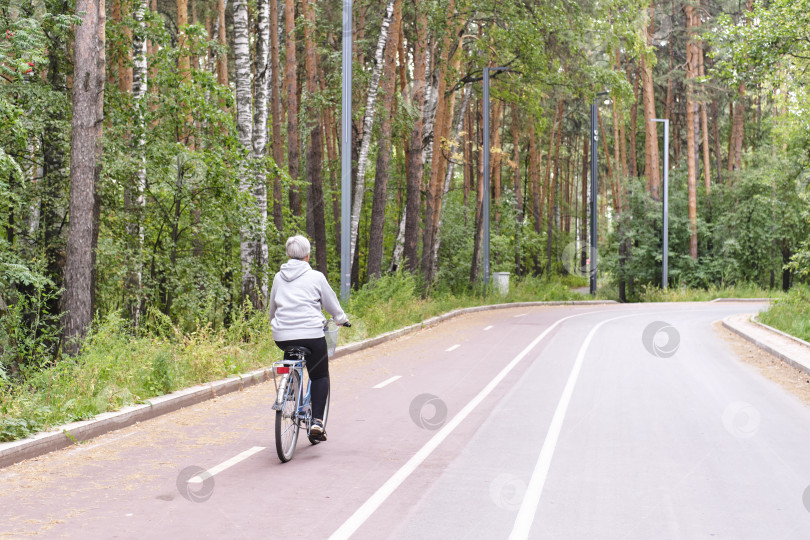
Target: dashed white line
386 382
365 511
205 475
521 315
453 348
488 328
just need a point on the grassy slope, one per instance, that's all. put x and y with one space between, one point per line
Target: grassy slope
791 313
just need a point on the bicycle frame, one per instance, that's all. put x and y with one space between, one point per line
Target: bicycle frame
303 411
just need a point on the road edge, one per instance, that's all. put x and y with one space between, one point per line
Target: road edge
81 431
782 355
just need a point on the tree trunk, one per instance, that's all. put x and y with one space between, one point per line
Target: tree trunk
441 127
704 126
375 242
368 124
275 93
315 149
735 153
479 202
691 154
85 170
123 61
332 142
651 163
717 152
139 89
617 156
291 82
633 169
222 59
518 190
611 177
259 136
183 65
414 153
252 228
497 113
533 178
552 183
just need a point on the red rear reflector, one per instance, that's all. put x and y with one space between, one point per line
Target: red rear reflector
282 370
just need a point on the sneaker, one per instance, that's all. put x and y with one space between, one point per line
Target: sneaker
316 430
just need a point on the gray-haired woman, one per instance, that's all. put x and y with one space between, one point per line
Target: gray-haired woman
298 296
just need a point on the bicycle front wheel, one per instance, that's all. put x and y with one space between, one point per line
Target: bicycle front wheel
286 421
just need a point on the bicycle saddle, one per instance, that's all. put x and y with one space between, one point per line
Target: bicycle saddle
295 352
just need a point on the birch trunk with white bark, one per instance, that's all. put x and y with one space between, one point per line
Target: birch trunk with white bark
139 88
252 229
368 124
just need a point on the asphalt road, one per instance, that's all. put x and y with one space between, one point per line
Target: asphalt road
625 421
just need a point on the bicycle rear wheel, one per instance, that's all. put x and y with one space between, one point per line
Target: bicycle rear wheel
325 417
286 422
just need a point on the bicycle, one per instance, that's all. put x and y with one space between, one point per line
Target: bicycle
293 406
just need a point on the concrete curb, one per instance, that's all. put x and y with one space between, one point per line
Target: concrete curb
75 432
755 320
785 357
741 300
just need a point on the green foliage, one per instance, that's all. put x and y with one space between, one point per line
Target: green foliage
116 369
791 313
746 233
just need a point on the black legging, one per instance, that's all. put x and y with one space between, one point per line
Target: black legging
317 368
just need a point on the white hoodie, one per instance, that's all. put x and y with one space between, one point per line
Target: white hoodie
296 299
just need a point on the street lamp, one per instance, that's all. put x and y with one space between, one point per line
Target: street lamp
485 217
665 234
346 155
594 148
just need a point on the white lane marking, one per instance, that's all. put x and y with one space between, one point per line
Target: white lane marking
386 382
488 328
521 315
205 475
531 499
453 348
360 516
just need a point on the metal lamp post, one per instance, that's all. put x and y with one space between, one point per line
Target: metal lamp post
346 155
665 234
485 217
594 149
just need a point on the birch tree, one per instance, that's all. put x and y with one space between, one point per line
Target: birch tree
253 249
368 124
375 242
139 89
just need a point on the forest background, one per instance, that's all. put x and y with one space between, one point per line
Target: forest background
155 155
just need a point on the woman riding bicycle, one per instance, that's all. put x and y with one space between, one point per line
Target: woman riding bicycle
298 296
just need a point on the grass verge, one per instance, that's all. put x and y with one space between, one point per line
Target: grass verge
683 294
791 313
